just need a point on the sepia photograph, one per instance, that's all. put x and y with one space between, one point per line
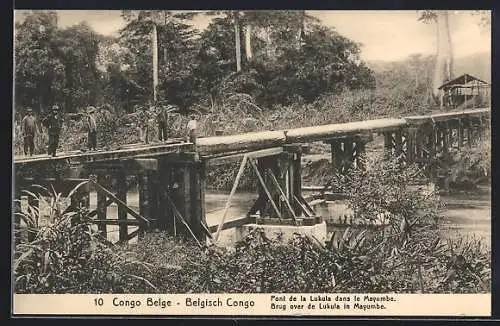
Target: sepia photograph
313 152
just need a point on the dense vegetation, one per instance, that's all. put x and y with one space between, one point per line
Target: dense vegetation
407 256
75 67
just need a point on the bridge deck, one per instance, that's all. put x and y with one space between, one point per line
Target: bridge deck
126 152
207 146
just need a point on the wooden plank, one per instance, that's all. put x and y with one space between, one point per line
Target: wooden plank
206 230
282 194
183 221
230 158
129 236
144 199
266 191
296 177
348 154
388 141
233 223
469 133
119 202
163 217
448 116
398 142
121 185
247 141
411 145
444 137
306 211
101 206
147 163
318 133
197 201
231 194
460 134
306 204
336 156
109 155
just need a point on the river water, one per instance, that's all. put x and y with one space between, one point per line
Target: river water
465 215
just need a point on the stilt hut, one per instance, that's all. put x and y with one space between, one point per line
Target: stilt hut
465 92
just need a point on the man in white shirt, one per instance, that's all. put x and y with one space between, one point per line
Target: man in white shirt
191 128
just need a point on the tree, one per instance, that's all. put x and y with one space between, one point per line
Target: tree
444 57
39 73
77 47
237 39
279 28
55 66
175 44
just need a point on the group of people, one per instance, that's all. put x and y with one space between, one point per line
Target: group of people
29 129
54 124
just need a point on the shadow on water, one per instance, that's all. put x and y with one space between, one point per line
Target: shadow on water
465 214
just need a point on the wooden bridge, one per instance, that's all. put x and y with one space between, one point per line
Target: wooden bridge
171 175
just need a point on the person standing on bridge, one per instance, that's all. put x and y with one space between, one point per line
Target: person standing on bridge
144 117
191 128
92 128
53 122
28 129
162 119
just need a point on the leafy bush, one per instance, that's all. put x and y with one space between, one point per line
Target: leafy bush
466 168
68 256
378 262
389 185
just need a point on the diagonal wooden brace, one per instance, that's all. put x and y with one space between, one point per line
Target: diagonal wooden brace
282 194
268 194
120 203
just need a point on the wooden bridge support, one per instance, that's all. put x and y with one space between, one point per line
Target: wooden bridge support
121 193
184 212
396 142
348 152
280 186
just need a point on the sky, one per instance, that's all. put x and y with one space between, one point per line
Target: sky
384 35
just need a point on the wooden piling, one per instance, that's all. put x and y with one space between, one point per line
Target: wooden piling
144 200
417 143
388 142
197 200
360 151
101 205
296 179
336 156
460 132
411 145
121 193
163 190
469 133
398 142
445 137
348 154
